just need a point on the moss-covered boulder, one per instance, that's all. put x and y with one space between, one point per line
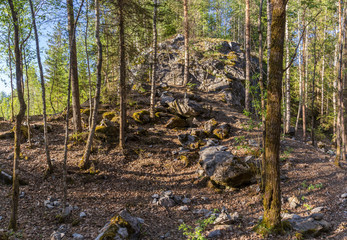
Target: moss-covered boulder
142 116
107 131
210 125
222 132
109 115
177 122
7 135
123 226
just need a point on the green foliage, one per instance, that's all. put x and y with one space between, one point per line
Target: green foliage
308 207
197 232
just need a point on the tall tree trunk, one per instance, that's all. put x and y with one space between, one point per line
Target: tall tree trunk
344 112
19 119
339 133
85 162
28 98
323 72
313 117
88 67
154 73
300 78
287 79
186 43
334 91
122 74
248 57
261 85
10 65
45 132
268 37
272 195
74 70
303 102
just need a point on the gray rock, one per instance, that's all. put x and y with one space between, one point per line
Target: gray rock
223 168
83 215
155 196
186 107
68 210
253 143
166 202
293 202
77 236
317 216
183 208
214 234
344 195
0 218
331 152
22 195
57 236
186 200
317 210
49 206
123 232
167 193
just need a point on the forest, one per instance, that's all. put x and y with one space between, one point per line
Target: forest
173 119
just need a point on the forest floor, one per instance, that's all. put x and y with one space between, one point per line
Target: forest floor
149 167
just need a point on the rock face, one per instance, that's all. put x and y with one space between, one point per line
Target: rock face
225 169
122 226
186 107
215 65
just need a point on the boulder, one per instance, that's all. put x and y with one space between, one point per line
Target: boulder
222 131
122 226
176 122
210 125
107 130
142 116
186 107
225 169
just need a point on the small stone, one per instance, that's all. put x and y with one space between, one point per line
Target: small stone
155 201
180 221
83 215
204 198
214 233
177 199
166 202
62 228
141 221
293 202
155 196
186 200
167 193
68 210
56 203
235 216
57 236
317 209
49 206
0 218
183 208
344 195
77 236
167 234
22 195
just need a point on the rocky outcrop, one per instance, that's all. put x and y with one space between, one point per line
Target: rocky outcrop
215 65
224 168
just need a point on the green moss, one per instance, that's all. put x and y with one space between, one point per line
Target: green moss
24 131
264 230
85 111
109 115
101 129
141 116
115 119
221 133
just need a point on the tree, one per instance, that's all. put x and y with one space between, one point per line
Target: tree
155 59
19 118
272 195
122 76
85 162
74 68
186 43
43 89
248 57
287 83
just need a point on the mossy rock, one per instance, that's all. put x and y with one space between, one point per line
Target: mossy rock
106 133
177 122
115 119
24 131
109 115
189 158
79 137
222 132
85 111
142 116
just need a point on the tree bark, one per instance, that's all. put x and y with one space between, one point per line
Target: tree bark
186 43
154 73
10 66
28 97
287 86
261 85
43 88
268 33
74 69
88 67
272 195
85 162
19 119
323 72
300 78
303 102
122 76
248 57
313 117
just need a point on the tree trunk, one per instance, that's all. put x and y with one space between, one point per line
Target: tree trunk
45 132
313 117
323 72
345 83
19 119
88 67
28 98
303 102
122 74
300 78
268 33
287 79
74 71
10 66
248 57
85 162
186 43
154 73
261 85
272 195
